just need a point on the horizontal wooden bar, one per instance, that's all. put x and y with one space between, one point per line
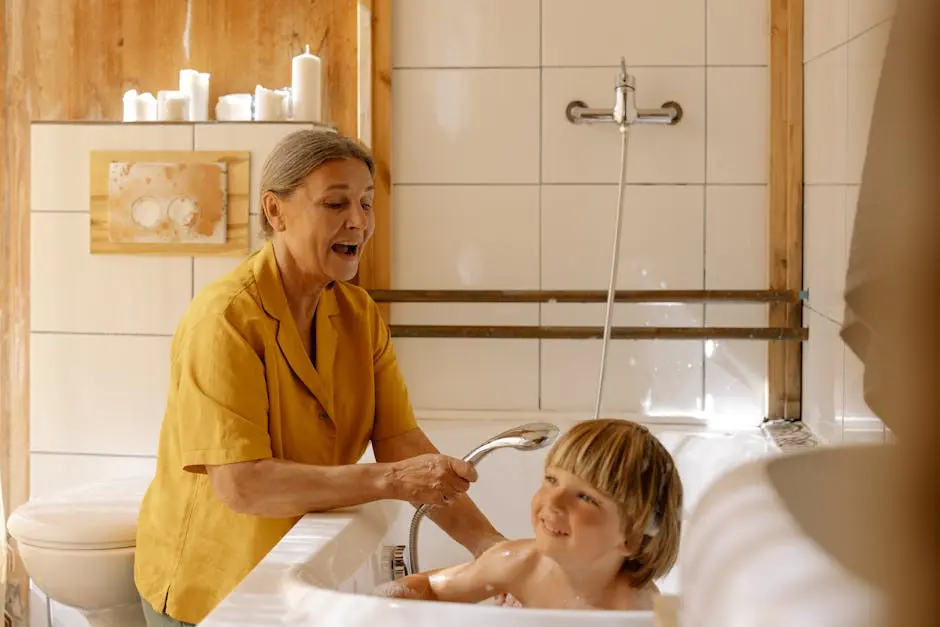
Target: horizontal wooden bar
585 296
597 333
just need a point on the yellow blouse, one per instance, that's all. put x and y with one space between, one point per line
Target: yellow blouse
242 388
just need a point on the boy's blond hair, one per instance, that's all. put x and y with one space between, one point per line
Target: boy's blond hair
624 461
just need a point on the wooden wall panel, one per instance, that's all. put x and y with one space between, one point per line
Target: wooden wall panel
72 60
785 219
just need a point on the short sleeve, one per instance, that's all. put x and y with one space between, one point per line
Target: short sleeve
394 415
222 401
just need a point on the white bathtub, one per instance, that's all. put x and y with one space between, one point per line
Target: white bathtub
323 571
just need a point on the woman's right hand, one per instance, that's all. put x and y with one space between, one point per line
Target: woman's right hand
431 479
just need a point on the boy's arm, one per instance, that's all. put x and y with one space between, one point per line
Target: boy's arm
490 574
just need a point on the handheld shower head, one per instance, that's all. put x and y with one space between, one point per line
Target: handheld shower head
527 437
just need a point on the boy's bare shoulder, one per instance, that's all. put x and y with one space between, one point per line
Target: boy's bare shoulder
512 558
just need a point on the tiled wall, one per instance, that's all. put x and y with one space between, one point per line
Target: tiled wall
844 47
101 324
495 189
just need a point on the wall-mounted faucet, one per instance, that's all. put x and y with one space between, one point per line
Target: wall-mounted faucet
624 111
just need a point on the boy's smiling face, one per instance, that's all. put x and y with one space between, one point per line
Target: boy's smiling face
574 522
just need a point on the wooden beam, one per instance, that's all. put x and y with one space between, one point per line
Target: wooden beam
18 50
784 359
375 268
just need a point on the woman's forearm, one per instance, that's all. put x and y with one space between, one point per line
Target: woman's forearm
463 521
276 488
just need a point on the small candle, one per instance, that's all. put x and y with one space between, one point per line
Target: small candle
305 87
269 104
146 108
172 106
234 108
130 105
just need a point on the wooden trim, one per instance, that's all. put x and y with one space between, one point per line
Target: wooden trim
597 333
14 285
784 359
375 268
584 296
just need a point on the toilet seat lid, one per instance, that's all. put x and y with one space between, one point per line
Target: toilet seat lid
93 516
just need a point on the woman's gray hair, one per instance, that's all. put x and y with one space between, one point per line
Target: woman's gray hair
299 154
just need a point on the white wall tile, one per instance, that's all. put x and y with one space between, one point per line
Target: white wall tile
465 237
855 405
470 33
851 209
738 140
824 263
866 55
60 163
599 32
97 393
470 373
591 153
823 378
826 26
72 290
661 241
736 237
864 14
208 269
53 473
654 378
736 370
738 32
466 126
826 106
736 258
258 139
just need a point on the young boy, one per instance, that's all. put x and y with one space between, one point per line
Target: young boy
606 519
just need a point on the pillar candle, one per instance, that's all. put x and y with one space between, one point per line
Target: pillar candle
305 87
196 86
234 108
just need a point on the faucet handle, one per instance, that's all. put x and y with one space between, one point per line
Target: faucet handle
623 69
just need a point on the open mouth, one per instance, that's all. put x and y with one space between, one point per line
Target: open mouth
553 532
346 250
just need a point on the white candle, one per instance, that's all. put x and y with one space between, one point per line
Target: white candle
269 104
305 87
130 105
196 86
146 107
234 108
172 106
284 93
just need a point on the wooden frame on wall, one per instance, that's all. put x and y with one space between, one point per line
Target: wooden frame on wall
237 183
785 218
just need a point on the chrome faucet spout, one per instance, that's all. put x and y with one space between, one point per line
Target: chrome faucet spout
624 111
528 437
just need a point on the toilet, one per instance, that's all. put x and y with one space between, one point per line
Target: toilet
78 548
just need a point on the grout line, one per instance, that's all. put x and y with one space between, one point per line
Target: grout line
99 333
572 67
85 454
593 184
541 233
705 216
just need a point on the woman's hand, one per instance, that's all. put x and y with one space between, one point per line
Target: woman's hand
431 479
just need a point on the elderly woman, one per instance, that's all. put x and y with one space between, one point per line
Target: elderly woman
281 375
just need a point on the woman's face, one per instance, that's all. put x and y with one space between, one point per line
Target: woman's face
326 223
